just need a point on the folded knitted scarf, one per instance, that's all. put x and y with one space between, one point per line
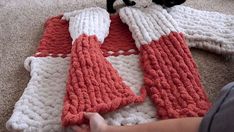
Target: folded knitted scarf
167 68
93 85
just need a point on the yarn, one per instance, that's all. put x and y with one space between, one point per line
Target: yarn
40 106
56 39
93 84
119 41
89 21
211 31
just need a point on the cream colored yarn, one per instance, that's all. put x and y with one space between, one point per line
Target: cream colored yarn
211 31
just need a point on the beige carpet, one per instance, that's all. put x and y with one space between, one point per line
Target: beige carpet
21 26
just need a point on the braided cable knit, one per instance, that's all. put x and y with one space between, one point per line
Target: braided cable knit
170 74
211 31
93 85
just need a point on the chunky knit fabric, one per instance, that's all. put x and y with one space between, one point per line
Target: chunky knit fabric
211 31
170 74
164 67
93 85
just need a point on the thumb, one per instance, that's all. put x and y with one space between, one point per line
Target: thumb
89 115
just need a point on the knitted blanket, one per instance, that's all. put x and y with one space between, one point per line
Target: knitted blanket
88 61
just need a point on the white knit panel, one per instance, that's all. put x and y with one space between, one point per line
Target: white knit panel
40 106
148 24
89 21
212 31
129 69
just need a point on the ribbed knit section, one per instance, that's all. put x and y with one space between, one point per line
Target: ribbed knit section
56 40
170 74
171 78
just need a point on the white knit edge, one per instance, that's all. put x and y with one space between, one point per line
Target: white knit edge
208 30
89 21
37 102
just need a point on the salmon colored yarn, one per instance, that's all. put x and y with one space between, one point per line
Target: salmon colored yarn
171 78
93 84
56 39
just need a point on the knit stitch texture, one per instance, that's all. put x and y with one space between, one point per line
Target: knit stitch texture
170 74
93 84
211 31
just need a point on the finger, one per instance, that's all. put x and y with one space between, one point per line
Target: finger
80 129
84 126
76 129
88 115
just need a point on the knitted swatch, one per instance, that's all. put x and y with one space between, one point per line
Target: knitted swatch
170 74
93 85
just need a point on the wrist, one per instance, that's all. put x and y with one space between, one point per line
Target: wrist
108 128
104 128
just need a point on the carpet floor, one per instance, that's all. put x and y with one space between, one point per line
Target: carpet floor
21 26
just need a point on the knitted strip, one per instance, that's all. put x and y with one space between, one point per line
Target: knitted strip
210 31
170 74
93 84
40 106
172 79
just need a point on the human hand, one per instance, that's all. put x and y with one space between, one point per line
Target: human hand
96 124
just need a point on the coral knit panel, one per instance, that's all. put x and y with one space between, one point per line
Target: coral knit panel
93 85
171 78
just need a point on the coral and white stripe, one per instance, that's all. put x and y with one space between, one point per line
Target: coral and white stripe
93 84
148 24
89 21
170 74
